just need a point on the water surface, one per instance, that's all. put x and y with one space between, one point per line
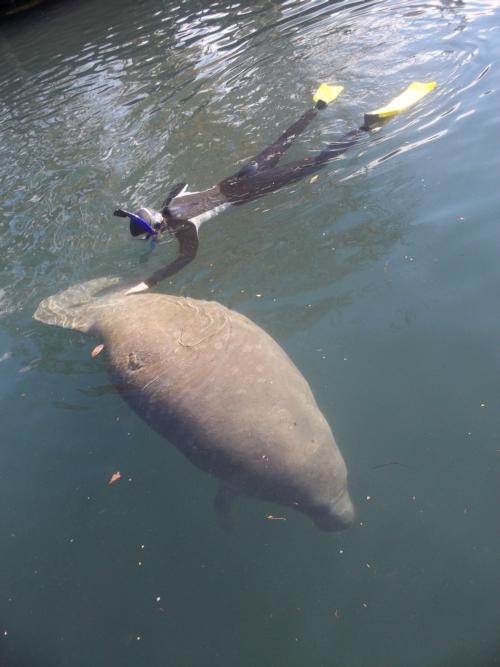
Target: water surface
380 279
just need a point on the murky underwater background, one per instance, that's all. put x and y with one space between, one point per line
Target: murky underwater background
380 279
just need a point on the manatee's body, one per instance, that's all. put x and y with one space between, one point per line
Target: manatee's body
221 390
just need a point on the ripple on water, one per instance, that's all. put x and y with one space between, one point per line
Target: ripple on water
137 95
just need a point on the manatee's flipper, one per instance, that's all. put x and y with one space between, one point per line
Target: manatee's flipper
223 504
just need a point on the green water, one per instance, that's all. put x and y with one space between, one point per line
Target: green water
380 279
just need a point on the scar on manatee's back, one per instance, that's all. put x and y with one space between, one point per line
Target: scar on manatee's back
134 364
136 360
212 324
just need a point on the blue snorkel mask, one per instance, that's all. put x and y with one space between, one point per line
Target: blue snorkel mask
144 224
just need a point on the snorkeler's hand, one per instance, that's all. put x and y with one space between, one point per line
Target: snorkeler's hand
141 287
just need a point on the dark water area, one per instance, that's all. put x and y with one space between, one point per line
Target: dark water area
380 280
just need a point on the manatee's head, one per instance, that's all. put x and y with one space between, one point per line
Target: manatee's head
80 306
337 515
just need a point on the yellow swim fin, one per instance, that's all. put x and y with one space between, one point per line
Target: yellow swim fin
407 99
327 93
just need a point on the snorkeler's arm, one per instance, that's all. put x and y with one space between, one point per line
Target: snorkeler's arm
187 235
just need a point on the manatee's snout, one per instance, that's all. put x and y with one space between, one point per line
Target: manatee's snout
338 516
75 307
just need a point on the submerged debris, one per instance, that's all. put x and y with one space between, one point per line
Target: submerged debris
115 477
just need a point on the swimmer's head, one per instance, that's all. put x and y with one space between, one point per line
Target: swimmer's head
154 223
144 223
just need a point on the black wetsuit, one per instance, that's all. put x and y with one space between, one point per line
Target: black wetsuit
184 212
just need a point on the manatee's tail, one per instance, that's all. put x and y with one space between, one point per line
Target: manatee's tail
339 515
74 307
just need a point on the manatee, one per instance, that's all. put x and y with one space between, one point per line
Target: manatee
220 389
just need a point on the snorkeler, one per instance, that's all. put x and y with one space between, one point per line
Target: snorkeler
184 212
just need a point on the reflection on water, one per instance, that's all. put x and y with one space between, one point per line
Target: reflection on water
379 278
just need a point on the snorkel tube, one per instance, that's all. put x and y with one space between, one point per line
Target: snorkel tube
140 226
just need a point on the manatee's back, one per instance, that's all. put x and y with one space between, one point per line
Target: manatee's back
219 388
225 393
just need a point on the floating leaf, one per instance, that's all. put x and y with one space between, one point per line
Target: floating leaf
115 477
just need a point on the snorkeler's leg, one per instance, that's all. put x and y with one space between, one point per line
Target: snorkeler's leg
337 148
269 157
372 120
240 190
